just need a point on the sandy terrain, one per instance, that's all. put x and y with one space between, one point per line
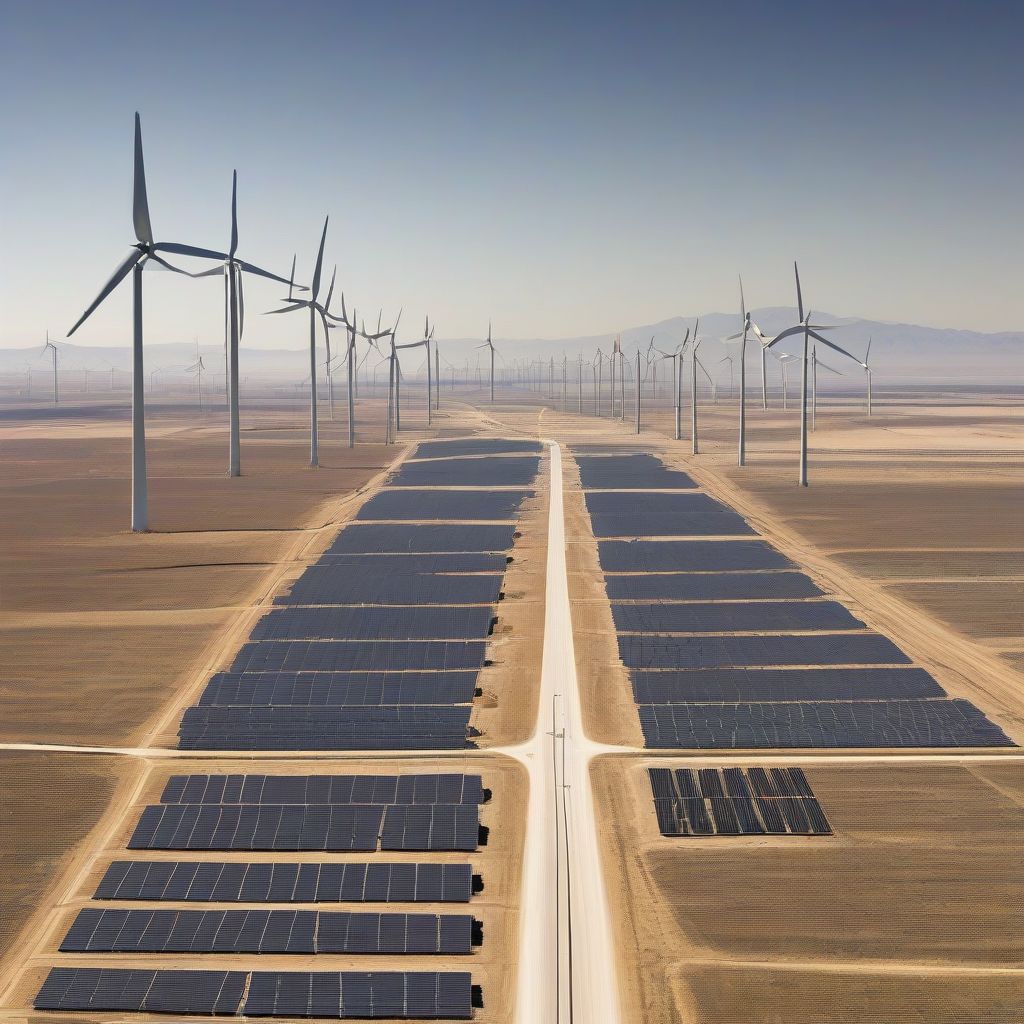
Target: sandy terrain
703 925
499 863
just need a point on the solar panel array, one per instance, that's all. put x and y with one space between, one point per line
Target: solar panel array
728 645
736 802
422 995
377 645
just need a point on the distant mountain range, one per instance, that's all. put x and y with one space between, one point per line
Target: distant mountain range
899 352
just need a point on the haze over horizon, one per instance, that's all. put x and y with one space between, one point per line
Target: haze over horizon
564 172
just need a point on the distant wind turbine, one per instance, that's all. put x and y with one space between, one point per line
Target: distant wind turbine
144 250
677 377
234 324
694 446
315 310
741 447
808 331
867 374
815 363
53 348
489 345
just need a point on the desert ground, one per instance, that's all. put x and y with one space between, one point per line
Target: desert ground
910 911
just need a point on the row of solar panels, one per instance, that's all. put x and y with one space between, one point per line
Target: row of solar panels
748 683
280 882
391 598
726 802
423 995
269 931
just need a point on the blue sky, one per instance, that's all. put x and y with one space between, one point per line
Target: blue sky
563 169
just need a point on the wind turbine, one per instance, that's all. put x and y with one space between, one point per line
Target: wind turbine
784 359
489 345
234 323
197 368
867 374
144 250
741 448
677 377
351 366
598 374
728 359
694 447
53 348
315 310
808 331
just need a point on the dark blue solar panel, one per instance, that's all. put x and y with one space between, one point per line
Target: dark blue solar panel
711 586
372 623
403 564
326 728
649 651
282 882
329 585
699 524
654 505
376 538
913 723
359 655
638 470
507 471
406 503
744 685
730 617
320 689
689 555
474 446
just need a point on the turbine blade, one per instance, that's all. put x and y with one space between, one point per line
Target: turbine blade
330 291
291 279
250 268
799 294
178 270
241 308
287 309
832 345
787 333
319 261
867 353
115 279
234 213
743 304
189 250
140 201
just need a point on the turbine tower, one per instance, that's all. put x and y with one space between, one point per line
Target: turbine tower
489 345
867 374
144 250
741 448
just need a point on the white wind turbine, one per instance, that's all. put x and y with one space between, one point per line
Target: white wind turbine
867 374
808 331
695 363
53 348
315 310
489 345
677 377
144 250
234 324
598 382
351 364
741 448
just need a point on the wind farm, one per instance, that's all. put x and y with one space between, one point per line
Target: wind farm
620 624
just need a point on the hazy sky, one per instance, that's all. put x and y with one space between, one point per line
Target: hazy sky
562 168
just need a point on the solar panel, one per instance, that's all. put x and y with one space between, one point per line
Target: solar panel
325 584
281 882
326 728
510 471
412 788
640 651
322 689
474 446
763 684
265 827
433 827
908 723
360 538
625 514
194 992
267 931
689 556
376 994
710 586
371 623
735 801
638 470
359 655
403 564
406 503
732 616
